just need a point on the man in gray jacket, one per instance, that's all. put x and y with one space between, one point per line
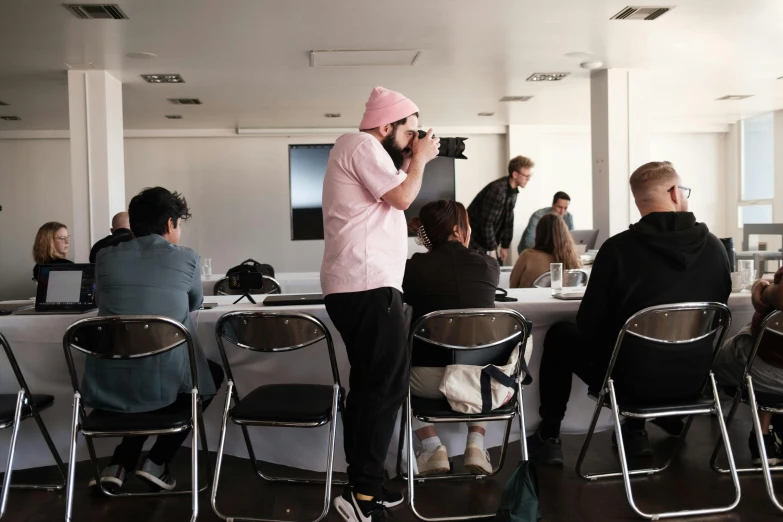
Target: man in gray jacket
149 275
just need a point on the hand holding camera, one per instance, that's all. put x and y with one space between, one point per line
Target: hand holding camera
425 148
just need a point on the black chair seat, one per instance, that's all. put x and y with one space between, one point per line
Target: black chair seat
285 403
8 406
173 417
441 408
650 408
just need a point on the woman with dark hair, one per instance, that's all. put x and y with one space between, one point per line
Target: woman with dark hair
553 245
51 246
448 276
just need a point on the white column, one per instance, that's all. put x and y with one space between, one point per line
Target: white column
97 156
777 206
620 144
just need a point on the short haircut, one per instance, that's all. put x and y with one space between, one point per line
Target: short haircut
649 175
151 209
560 195
519 163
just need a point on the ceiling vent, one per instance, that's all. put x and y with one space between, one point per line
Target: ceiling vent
515 98
3 104
185 101
735 97
332 115
162 78
547 77
641 13
486 114
174 116
10 118
96 11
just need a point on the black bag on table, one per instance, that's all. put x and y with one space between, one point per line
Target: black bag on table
251 266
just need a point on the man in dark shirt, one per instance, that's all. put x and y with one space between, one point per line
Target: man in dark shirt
492 210
667 257
120 233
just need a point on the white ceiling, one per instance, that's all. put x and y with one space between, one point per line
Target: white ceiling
248 60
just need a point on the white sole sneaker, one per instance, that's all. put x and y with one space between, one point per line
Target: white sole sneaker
477 460
433 462
152 479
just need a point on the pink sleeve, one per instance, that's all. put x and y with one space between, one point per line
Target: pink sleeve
375 169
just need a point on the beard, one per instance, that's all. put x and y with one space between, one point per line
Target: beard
396 152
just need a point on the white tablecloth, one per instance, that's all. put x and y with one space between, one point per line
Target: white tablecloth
290 283
37 344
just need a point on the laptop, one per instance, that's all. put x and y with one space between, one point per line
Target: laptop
64 289
293 299
585 237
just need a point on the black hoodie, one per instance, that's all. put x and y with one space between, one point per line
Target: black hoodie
667 257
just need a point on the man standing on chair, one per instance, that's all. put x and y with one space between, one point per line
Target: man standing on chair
372 176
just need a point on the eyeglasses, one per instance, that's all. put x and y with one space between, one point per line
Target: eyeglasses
686 190
64 239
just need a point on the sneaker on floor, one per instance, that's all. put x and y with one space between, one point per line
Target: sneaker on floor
157 475
433 462
390 499
112 478
548 452
636 442
477 460
352 509
772 449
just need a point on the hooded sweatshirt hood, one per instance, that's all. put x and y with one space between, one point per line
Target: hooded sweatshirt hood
674 235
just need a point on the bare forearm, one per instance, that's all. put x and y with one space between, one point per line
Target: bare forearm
412 184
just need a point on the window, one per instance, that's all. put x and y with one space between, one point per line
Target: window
758 170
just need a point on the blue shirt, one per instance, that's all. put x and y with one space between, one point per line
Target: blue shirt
529 235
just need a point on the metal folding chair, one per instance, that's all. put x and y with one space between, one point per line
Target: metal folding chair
479 337
667 326
282 405
123 338
271 286
771 328
13 410
571 278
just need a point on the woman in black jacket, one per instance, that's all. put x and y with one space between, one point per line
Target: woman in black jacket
448 276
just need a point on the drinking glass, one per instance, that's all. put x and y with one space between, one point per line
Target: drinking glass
556 277
746 271
208 267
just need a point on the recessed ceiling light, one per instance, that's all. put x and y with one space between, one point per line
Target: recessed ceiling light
141 56
547 77
10 118
4 104
735 97
515 98
185 101
162 78
96 11
641 13
580 55
486 114
590 66
174 116
332 115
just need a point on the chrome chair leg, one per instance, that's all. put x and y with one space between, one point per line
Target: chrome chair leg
589 437
330 454
760 441
72 457
522 424
221 447
194 455
9 466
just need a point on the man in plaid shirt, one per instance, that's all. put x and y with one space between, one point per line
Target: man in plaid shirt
492 210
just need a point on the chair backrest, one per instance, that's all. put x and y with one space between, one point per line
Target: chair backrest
272 332
667 329
480 336
771 330
271 286
126 337
571 278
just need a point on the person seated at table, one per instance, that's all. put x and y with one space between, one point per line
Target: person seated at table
553 245
120 233
667 257
51 246
767 369
559 207
149 275
448 276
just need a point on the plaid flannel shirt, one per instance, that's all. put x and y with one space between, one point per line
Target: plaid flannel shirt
492 215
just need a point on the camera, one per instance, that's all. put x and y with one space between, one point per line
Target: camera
449 147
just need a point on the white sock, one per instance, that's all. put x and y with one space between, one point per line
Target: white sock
475 438
431 444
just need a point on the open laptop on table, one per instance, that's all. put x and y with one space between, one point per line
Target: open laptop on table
293 299
64 289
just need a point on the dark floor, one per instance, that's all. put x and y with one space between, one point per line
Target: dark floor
689 483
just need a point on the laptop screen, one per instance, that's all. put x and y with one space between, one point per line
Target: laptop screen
66 286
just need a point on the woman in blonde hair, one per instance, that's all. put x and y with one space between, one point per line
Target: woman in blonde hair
51 246
553 245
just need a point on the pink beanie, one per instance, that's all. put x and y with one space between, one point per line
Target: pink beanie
385 106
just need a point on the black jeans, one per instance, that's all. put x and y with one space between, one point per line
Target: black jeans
372 325
127 453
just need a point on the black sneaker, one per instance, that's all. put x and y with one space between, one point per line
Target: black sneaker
390 499
354 510
773 451
636 442
548 452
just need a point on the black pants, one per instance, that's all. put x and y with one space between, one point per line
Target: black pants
372 325
127 453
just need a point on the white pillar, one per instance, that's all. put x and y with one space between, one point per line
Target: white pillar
97 156
620 144
777 206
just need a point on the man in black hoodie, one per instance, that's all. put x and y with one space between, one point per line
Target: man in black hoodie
667 257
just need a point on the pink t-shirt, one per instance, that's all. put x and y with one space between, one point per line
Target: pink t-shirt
366 238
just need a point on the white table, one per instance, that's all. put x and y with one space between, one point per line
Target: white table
290 283
37 344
